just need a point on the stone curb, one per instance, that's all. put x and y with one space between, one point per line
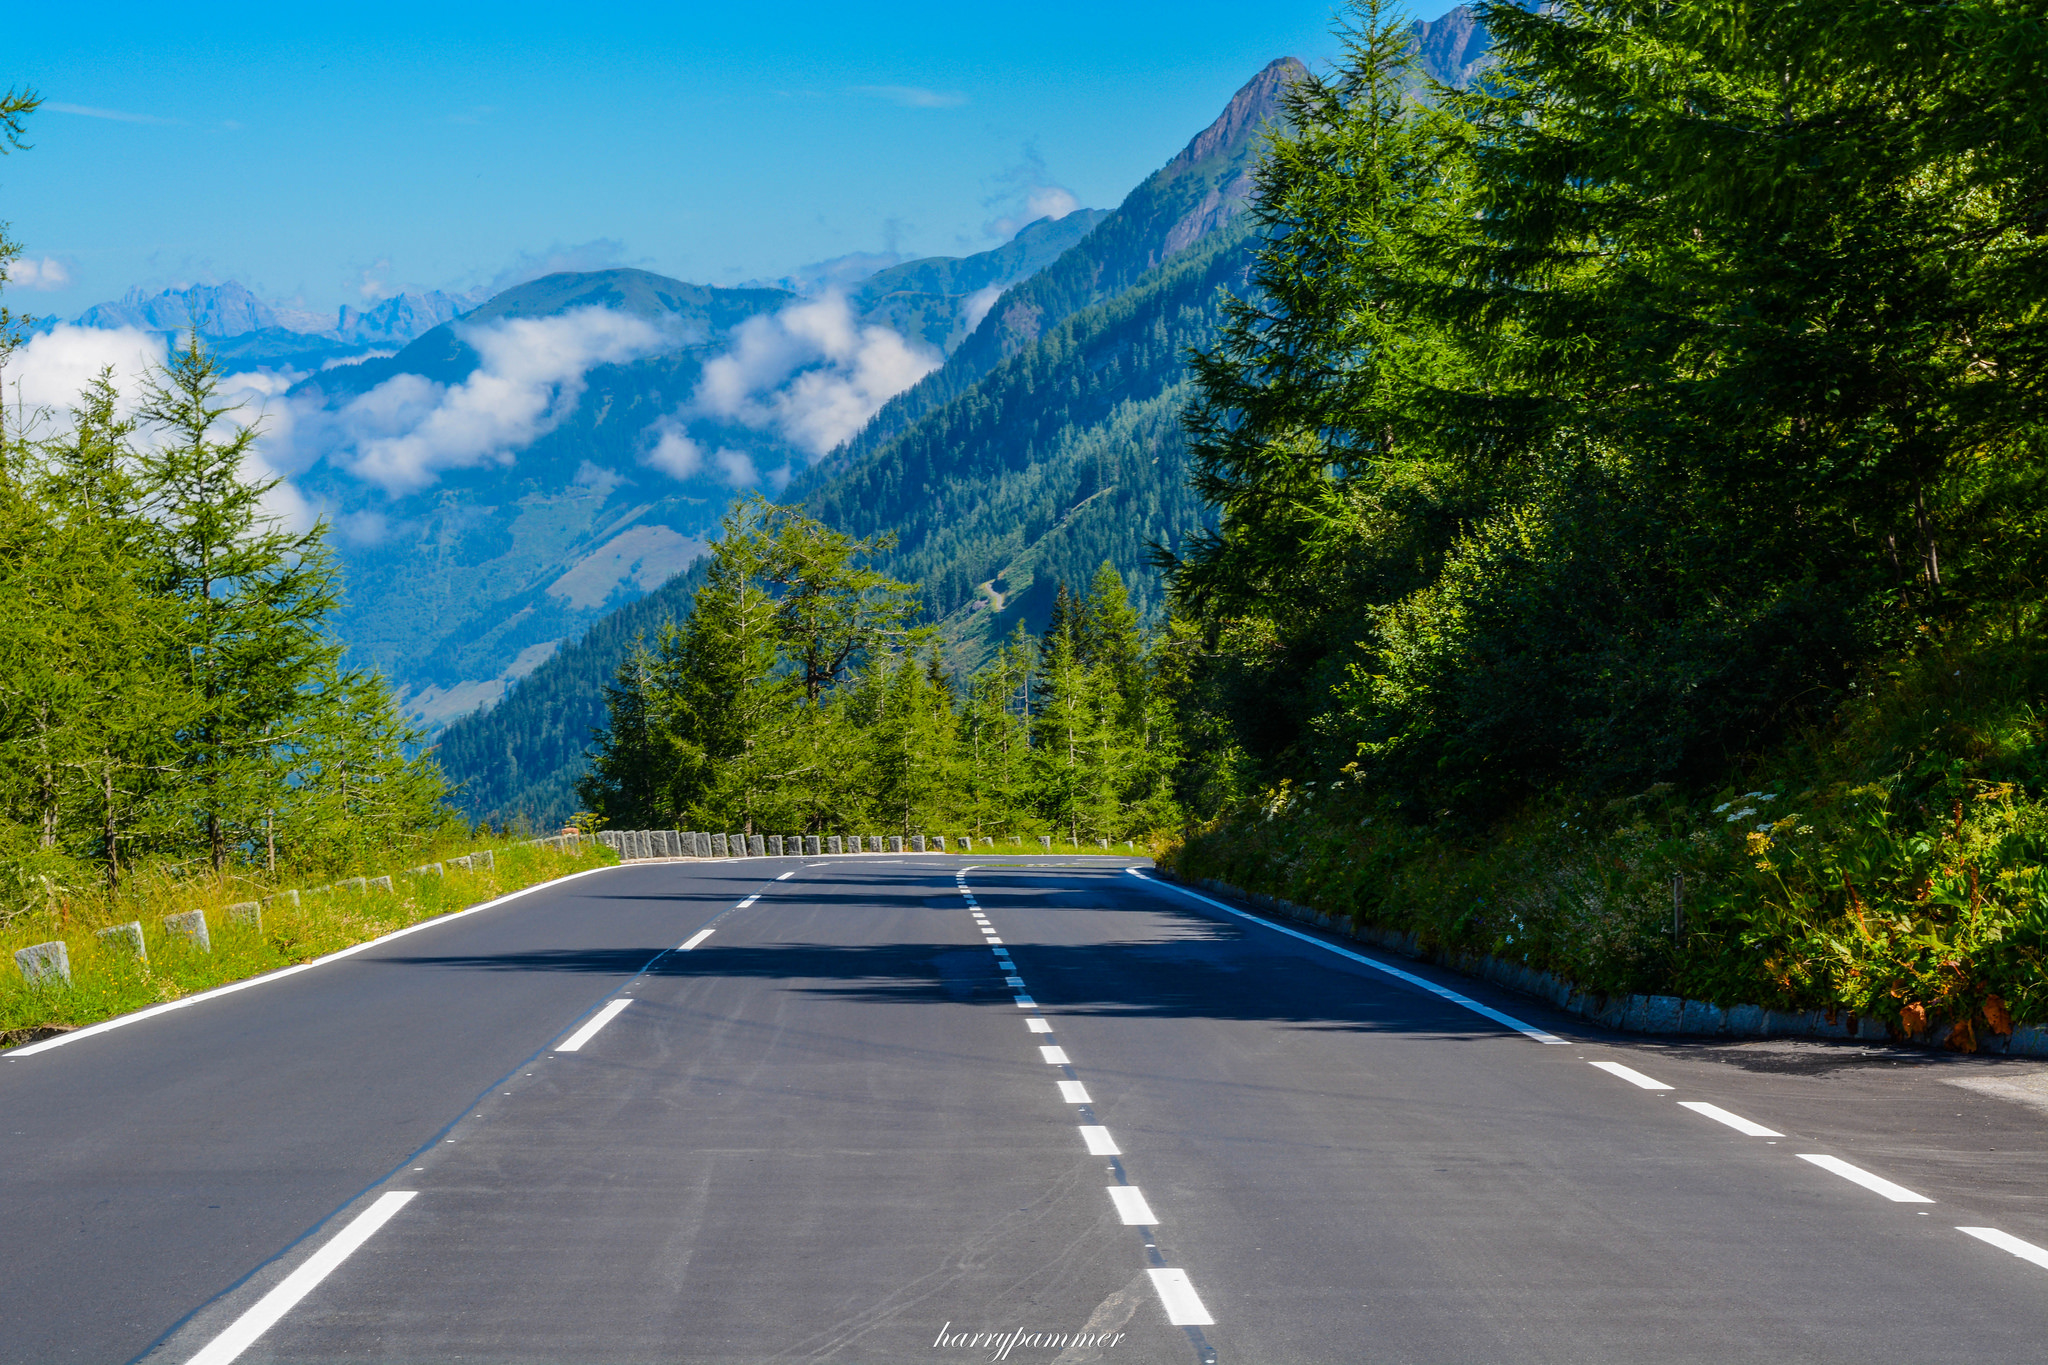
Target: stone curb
1661 1014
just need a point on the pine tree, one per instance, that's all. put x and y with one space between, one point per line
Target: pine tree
255 599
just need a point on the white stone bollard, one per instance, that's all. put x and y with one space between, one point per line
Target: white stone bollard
45 961
895 843
938 843
1045 842
775 845
190 926
288 897
812 848
490 860
247 912
127 936
917 843
757 846
350 884
377 884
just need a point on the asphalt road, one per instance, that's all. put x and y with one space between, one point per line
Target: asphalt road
843 1125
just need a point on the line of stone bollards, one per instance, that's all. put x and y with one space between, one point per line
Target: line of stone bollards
50 963
642 845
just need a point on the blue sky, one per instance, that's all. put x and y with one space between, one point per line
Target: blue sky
328 154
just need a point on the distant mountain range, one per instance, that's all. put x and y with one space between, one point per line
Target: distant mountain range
519 484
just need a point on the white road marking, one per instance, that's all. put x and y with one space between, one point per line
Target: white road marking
1183 1305
1735 1121
2005 1241
1014 982
1039 1026
1056 1056
123 1021
1025 1002
1631 1075
263 1315
1442 992
787 875
748 901
589 1030
1898 1194
1131 1206
990 938
693 940
1100 1143
1073 1092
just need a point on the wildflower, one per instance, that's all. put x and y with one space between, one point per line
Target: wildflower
1741 814
1723 806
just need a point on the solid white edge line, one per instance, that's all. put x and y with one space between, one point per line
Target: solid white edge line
589 1030
1073 1092
1631 1075
281 973
1735 1121
1898 1194
2005 1241
1131 1206
693 940
1100 1143
1444 992
265 1312
1183 1306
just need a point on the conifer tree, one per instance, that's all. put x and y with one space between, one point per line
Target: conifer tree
255 599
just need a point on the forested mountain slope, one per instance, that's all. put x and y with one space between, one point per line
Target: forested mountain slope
1048 442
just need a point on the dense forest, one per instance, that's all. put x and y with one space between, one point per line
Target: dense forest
799 696
1630 468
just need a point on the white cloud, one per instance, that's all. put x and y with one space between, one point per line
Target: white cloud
403 433
117 115
979 302
53 368
811 373
1029 194
677 454
26 272
913 96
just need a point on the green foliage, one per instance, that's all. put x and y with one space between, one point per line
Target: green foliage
167 690
793 698
1626 424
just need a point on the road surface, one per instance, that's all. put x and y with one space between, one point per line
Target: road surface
902 1108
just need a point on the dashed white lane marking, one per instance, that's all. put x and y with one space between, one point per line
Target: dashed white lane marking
748 901
589 1030
1631 1075
990 938
1038 1025
1100 1143
1073 1092
693 940
1131 1206
787 875
265 1312
1898 1194
1735 1121
1025 1002
1422 983
1015 983
2005 1241
1183 1305
1054 1056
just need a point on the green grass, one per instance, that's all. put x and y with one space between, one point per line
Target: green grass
1887 861
107 980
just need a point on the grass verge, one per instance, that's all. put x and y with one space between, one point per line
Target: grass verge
1888 862
108 979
